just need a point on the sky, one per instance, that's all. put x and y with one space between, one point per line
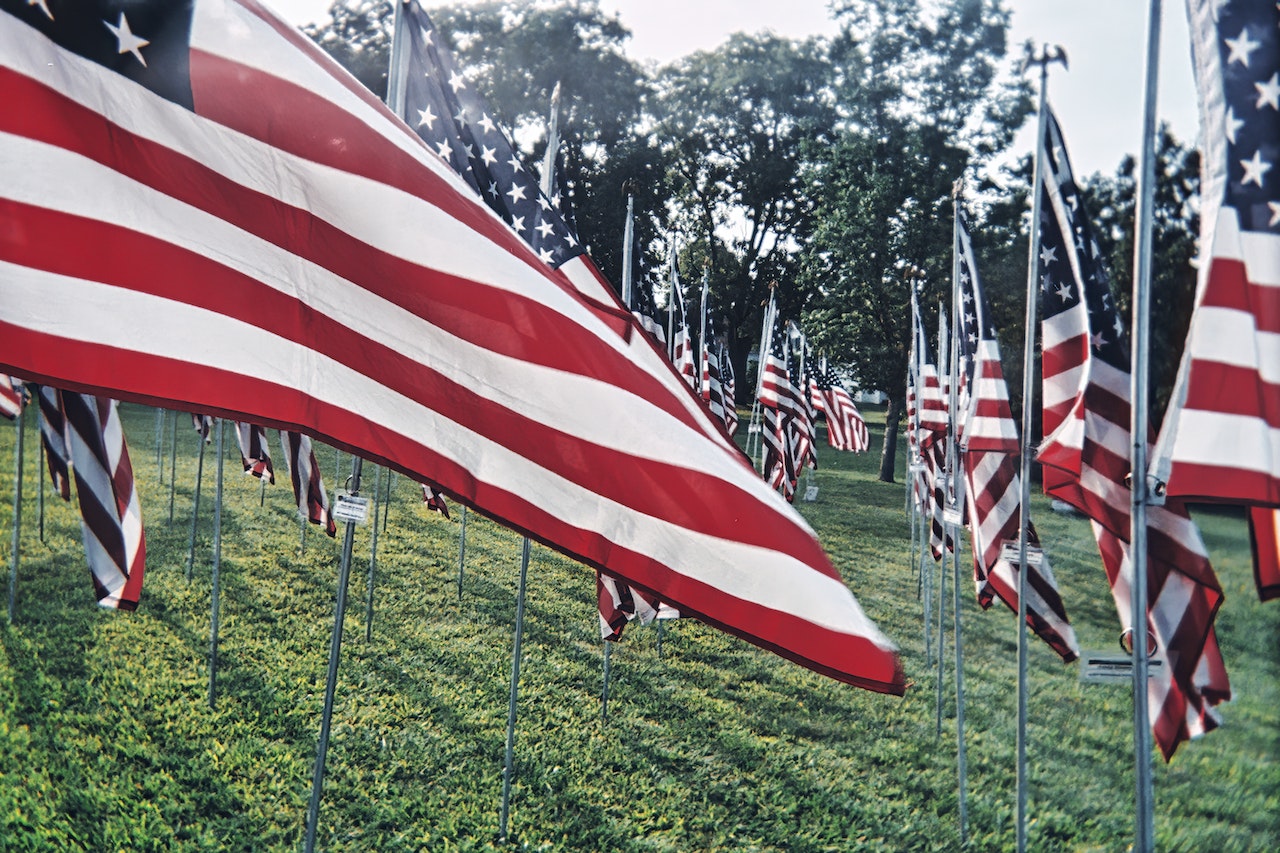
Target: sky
1098 100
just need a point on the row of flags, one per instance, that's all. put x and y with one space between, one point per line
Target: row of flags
1221 436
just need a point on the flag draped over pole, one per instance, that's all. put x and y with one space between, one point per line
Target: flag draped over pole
349 284
110 515
53 434
846 430
1086 453
1221 435
990 448
255 454
308 485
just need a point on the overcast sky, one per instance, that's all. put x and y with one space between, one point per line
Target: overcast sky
1098 101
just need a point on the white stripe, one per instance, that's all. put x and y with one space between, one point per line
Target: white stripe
1259 250
767 578
1230 336
1226 441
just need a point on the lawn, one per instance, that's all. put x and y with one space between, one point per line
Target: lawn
108 740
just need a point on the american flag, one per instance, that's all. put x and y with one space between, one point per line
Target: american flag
713 390
308 486
620 604
787 431
434 500
10 396
255 455
204 173
681 340
915 459
53 433
846 430
110 515
1221 436
1086 459
729 387
990 455
932 419
203 424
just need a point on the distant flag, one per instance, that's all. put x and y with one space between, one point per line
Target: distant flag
915 457
53 433
1086 459
255 455
10 396
713 389
1221 435
681 341
643 305
620 604
846 430
203 424
434 500
728 385
110 514
785 408
237 230
308 486
990 456
932 417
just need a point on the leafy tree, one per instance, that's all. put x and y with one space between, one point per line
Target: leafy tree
735 122
924 102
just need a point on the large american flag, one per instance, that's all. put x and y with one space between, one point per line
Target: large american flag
1086 459
198 208
1221 436
110 514
990 454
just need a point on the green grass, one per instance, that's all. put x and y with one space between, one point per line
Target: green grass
107 740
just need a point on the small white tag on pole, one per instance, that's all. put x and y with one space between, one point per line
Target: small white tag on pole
952 516
349 507
1009 553
753 428
811 493
1113 667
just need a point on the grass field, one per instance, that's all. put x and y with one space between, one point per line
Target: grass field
108 742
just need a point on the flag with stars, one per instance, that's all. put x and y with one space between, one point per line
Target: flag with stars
1221 436
1086 458
278 239
990 456
445 109
846 430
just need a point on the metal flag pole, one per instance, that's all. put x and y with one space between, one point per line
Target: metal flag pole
386 508
373 558
703 351
335 652
604 691
395 100
1144 823
40 466
17 511
195 505
956 500
462 549
628 240
173 464
160 442
672 296
217 566
508 768
944 352
1047 55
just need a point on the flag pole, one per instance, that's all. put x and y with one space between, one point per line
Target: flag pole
173 464
1047 55
944 352
373 557
462 549
386 509
628 248
40 466
604 691
160 442
17 511
217 565
703 352
195 505
956 495
395 99
1144 829
508 768
671 304
335 651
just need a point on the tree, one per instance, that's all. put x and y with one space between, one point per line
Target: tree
735 122
516 53
924 103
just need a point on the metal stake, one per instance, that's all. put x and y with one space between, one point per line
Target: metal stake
17 512
195 507
217 566
604 691
373 558
335 651
173 465
508 769
462 549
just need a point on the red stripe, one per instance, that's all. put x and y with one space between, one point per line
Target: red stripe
1229 485
1213 386
1229 287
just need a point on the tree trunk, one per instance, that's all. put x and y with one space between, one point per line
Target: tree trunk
889 452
